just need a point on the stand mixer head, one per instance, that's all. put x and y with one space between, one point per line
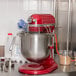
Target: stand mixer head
35 45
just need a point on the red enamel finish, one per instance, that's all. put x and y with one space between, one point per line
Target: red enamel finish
42 19
40 23
44 67
41 29
37 29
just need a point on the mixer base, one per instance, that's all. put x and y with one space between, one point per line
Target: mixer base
45 67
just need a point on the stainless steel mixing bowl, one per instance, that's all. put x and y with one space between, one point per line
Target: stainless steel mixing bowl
34 46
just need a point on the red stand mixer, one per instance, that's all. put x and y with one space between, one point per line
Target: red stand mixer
37 45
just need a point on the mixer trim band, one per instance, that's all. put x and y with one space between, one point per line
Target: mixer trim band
40 25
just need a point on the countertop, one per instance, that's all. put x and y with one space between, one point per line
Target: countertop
61 71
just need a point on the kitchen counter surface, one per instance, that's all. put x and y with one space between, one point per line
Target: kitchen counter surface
61 71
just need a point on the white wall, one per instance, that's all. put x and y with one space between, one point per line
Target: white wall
10 12
13 10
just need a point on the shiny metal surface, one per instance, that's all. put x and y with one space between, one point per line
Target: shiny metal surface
34 46
73 27
63 22
66 15
61 71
